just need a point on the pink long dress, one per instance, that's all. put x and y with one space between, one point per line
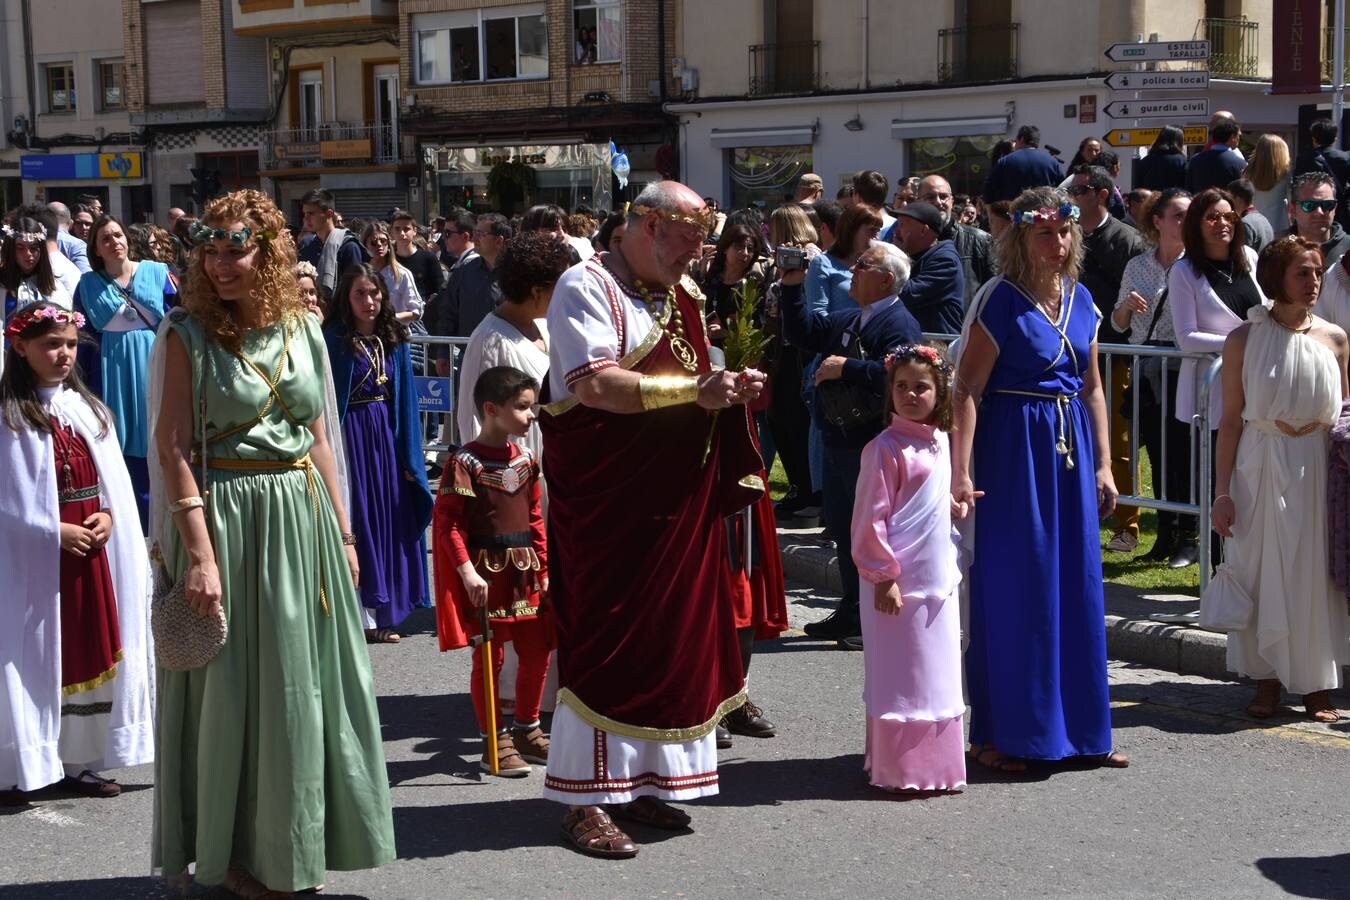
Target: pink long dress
902 530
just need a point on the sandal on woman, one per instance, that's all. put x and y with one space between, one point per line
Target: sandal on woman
992 758
1112 760
590 830
241 883
651 811
382 636
1265 700
1318 707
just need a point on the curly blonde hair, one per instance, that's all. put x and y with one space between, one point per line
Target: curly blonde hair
1013 245
275 292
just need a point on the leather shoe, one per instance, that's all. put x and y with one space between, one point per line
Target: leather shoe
836 625
851 643
591 830
748 720
1187 554
1162 552
723 735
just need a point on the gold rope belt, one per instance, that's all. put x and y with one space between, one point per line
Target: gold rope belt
279 465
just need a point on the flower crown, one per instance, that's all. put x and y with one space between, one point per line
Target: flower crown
917 352
26 318
25 237
1066 210
202 233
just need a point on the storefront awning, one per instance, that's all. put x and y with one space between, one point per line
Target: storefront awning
781 136
903 129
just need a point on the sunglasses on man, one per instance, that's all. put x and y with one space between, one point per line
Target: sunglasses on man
1309 206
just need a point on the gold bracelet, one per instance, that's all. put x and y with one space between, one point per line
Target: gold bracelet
187 503
658 391
348 538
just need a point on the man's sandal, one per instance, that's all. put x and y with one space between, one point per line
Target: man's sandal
651 811
991 758
590 830
1266 699
1318 707
382 636
240 882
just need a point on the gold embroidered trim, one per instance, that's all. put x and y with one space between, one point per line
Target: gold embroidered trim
96 681
463 491
496 560
639 353
642 733
753 482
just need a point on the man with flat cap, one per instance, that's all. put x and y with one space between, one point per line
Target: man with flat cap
809 189
936 291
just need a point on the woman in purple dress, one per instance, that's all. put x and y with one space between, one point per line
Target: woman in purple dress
382 433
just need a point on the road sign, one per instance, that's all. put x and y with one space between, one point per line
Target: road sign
1143 137
434 394
1158 51
1194 80
1184 107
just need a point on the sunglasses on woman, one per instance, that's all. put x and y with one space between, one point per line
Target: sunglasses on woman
1215 218
1325 206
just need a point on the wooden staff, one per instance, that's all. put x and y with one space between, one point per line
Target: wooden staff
484 639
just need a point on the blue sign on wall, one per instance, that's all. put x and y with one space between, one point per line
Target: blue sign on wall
76 166
434 395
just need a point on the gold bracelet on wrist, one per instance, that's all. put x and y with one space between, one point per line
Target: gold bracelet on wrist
348 539
186 503
658 391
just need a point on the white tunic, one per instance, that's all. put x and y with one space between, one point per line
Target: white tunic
496 342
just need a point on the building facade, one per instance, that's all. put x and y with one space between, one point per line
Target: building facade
517 103
776 88
63 103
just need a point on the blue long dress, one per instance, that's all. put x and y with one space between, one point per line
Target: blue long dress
389 514
1036 667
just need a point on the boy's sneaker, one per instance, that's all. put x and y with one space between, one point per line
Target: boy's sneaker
531 744
509 763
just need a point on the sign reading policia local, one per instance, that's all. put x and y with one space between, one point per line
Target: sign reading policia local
82 166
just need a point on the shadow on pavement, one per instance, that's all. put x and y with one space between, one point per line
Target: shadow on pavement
1321 877
124 888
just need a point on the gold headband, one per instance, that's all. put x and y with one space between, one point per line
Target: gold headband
703 218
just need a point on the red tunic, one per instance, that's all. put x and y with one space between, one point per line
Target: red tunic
640 575
488 511
90 642
760 600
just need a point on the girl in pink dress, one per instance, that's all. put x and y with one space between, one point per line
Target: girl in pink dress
905 550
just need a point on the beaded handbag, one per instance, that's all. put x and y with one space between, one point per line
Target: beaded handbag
184 638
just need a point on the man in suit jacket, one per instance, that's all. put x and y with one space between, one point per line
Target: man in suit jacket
855 343
74 249
1027 166
1323 156
1216 165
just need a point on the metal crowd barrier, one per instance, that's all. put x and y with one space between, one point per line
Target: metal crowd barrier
1199 453
427 386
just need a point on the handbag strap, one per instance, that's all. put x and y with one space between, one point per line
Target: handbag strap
1157 311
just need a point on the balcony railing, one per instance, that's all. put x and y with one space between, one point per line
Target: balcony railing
332 144
1329 55
792 68
1233 47
977 53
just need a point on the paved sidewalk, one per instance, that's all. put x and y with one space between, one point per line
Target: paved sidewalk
1131 635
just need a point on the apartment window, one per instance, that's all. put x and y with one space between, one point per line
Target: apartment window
60 87
482 45
110 84
597 31
310 85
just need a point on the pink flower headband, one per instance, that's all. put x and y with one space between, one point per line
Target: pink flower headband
916 353
25 237
26 318
1066 210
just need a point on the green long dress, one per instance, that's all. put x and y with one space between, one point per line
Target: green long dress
270 756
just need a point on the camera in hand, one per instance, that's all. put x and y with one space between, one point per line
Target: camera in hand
789 258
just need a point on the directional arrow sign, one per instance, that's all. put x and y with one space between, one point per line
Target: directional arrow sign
1197 80
1143 137
1189 107
1158 51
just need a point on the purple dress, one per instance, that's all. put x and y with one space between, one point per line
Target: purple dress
384 519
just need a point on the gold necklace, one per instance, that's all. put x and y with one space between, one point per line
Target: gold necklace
673 326
375 359
1303 328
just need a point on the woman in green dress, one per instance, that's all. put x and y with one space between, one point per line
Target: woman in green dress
269 764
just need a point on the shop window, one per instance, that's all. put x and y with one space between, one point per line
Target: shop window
963 161
597 31
482 45
110 94
766 176
60 87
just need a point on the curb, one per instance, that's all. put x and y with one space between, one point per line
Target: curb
1174 648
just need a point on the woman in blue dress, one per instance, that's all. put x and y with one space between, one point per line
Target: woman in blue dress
382 432
1038 464
124 301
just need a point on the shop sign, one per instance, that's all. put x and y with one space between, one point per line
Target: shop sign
119 165
488 158
354 148
1144 137
296 151
82 166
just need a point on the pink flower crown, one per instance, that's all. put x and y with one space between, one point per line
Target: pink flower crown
1066 210
917 353
25 318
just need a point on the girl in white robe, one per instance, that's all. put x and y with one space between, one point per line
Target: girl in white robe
76 694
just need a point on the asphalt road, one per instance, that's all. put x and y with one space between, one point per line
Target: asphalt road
1214 805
